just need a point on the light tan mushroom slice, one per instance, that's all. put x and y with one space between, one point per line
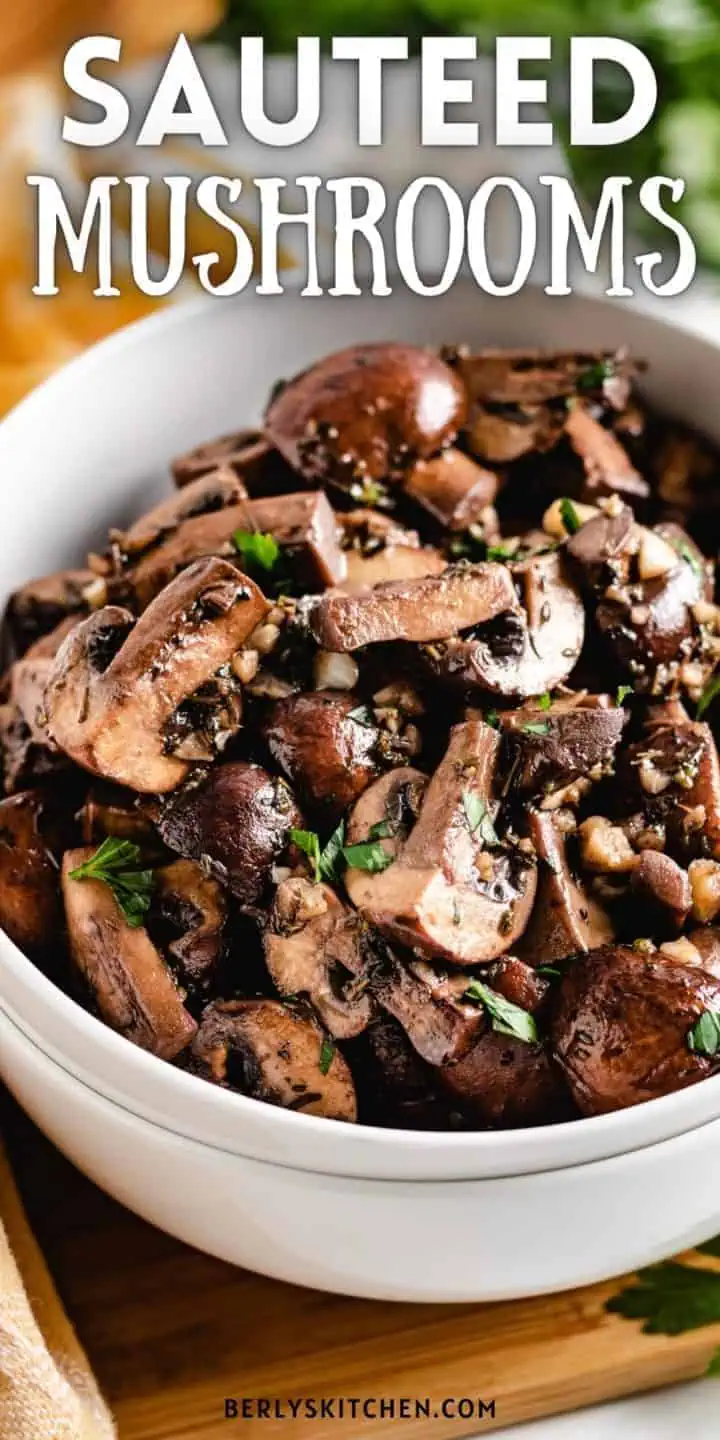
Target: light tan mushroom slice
529 650
431 608
392 563
263 1049
313 948
110 715
452 892
205 495
132 986
565 918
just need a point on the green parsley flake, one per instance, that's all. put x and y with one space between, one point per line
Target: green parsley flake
709 695
260 551
622 693
506 1018
478 820
704 1038
115 864
327 1055
569 516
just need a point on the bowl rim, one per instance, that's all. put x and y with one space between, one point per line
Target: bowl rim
251 1127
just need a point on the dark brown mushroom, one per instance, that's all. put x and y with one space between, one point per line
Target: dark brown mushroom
602 549
40 605
396 1087
30 906
526 650
29 753
453 891
262 1049
673 775
428 609
247 453
236 820
366 414
506 1083
206 495
109 810
622 1024
429 1005
115 686
312 946
453 488
607 466
662 888
326 747
187 919
130 982
565 918
549 748
649 623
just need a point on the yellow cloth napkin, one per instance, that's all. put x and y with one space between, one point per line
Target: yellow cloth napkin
47 1390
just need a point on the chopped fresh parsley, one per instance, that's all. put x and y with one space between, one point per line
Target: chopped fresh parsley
536 727
506 1018
260 551
309 843
595 376
367 855
382 831
569 516
492 718
478 820
709 694
327 1055
704 1038
622 693
500 552
115 863
671 1298
544 702
550 972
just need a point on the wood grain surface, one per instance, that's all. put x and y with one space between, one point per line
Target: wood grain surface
172 1333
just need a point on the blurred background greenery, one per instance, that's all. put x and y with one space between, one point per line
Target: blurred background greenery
681 38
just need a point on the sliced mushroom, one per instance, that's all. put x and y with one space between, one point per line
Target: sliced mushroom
429 1005
566 918
366 414
662 888
28 752
377 550
326 746
187 919
39 606
30 907
549 748
311 950
607 465
262 1049
247 453
673 773
108 810
517 982
129 980
649 623
602 549
453 891
205 495
303 524
114 687
524 651
453 488
417 610
236 820
621 1026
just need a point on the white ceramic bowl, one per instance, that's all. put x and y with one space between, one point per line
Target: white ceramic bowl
390 1214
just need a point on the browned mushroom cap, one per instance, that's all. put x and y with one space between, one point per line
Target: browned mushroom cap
453 891
262 1049
548 749
114 688
396 1087
518 397
327 749
302 524
28 751
421 610
247 453
188 916
507 1084
366 413
30 909
237 820
601 550
621 1026
565 918
311 950
607 465
673 772
204 496
662 888
131 984
40 605
453 489
377 549
523 651
650 623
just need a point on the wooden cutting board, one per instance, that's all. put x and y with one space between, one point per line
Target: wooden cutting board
172 1334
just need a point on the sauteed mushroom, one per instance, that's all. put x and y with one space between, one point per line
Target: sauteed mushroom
30 906
40 605
263 1049
247 453
115 686
327 747
419 610
566 917
312 946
